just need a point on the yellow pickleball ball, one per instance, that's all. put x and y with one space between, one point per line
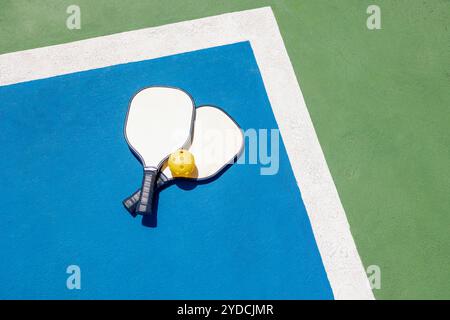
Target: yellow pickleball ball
181 163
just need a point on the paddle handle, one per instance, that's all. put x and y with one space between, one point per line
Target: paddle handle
147 190
132 201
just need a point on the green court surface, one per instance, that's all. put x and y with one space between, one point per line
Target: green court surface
379 101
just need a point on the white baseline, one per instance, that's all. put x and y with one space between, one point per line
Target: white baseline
330 226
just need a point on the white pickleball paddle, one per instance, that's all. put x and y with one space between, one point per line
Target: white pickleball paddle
159 121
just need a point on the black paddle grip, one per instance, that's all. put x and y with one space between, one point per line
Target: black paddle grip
132 201
147 190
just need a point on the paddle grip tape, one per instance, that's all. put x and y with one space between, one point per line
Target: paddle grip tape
132 201
147 190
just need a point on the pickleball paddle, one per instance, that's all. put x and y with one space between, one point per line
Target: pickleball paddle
217 142
159 121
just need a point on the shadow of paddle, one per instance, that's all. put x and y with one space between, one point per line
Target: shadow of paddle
190 184
151 221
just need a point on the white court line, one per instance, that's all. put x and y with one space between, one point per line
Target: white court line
329 222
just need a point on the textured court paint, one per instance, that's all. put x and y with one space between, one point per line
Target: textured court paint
214 241
379 101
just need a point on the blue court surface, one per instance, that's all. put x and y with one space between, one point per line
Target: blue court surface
66 167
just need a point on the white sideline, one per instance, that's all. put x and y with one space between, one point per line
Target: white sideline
331 229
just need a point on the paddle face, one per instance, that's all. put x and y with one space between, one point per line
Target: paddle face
159 121
217 142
